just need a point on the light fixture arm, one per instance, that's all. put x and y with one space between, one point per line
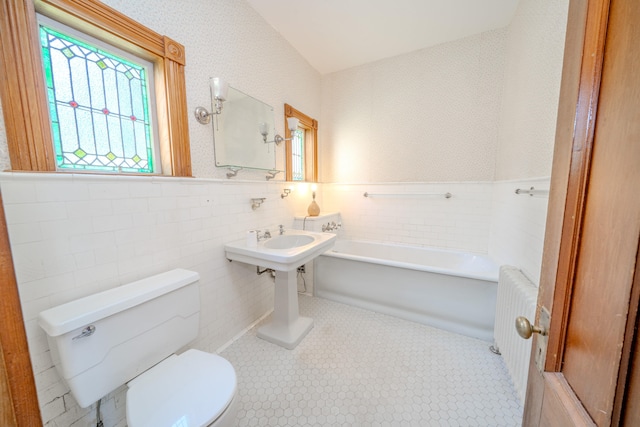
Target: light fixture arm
292 123
277 139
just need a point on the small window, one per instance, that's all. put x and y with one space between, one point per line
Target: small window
100 103
302 149
297 155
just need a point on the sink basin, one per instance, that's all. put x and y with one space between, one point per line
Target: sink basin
288 241
284 252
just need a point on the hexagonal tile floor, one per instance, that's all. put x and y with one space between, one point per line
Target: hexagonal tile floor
359 368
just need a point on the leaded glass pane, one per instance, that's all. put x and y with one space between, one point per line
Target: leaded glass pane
99 106
297 156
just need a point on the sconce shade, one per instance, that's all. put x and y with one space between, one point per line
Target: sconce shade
263 128
292 123
220 89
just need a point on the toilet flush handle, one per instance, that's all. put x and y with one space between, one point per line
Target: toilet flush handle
88 331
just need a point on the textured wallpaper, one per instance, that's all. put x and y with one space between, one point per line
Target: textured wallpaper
535 47
431 115
228 39
480 108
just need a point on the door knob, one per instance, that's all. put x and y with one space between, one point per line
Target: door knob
526 329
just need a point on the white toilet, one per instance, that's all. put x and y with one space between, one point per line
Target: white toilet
128 335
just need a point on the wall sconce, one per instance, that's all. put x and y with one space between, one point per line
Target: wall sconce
286 192
292 124
220 89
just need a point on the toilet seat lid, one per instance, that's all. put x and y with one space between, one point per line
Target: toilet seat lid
191 389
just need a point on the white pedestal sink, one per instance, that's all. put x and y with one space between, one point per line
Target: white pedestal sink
284 254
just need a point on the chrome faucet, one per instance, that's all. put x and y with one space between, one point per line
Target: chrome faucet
331 226
281 229
263 236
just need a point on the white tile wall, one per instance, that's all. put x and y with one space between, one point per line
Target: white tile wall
481 217
461 222
74 235
518 224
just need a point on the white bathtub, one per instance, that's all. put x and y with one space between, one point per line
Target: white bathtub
454 291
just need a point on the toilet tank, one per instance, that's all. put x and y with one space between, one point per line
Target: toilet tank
101 341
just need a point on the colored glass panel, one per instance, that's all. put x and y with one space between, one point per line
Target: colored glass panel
99 106
297 156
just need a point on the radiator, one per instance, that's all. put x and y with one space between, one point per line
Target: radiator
517 296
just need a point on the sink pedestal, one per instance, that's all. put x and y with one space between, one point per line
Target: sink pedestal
286 328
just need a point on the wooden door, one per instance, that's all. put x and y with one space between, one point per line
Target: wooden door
589 282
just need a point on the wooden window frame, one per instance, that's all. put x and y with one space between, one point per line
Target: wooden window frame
22 84
311 134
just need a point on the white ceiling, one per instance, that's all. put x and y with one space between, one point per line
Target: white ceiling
337 34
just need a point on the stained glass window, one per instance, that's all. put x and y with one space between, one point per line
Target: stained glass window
297 155
99 106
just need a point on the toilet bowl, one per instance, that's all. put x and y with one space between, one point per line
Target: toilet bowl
192 389
128 335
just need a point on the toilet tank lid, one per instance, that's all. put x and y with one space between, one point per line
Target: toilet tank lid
81 312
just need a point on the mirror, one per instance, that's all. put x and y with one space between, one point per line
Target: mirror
238 142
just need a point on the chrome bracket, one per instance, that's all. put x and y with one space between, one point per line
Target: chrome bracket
256 202
233 172
272 174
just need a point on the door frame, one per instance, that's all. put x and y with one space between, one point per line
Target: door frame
19 399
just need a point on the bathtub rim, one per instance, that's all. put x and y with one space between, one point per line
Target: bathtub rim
419 267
